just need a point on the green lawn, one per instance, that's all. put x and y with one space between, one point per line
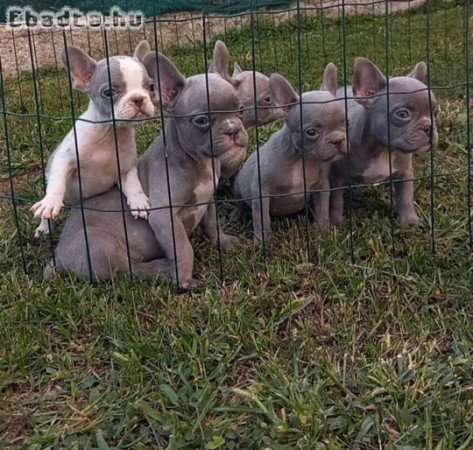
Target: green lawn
297 349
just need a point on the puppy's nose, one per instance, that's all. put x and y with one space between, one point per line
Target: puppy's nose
337 140
233 131
426 128
138 101
342 148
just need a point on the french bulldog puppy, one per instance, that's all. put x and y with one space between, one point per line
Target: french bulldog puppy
184 153
319 139
132 93
410 127
244 82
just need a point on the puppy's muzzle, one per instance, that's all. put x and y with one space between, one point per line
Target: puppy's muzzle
135 105
427 133
431 133
340 142
237 134
139 102
426 128
337 140
233 133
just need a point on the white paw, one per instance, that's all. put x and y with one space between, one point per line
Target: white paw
48 207
42 229
139 205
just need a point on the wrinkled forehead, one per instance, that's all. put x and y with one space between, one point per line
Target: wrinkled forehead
195 99
411 93
322 108
123 71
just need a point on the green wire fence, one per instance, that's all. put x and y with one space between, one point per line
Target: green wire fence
295 39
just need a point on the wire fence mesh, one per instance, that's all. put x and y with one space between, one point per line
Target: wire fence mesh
39 106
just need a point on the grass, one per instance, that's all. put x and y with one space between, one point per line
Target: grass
295 350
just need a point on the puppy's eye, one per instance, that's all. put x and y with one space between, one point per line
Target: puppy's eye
403 114
201 121
311 132
108 93
267 100
151 87
240 111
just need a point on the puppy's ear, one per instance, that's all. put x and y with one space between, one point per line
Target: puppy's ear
81 66
170 79
330 79
282 93
141 50
368 81
219 63
419 72
236 70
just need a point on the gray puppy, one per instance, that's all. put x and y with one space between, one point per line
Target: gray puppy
186 154
320 139
244 82
131 93
411 129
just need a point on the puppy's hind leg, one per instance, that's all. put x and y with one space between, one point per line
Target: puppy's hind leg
105 254
160 266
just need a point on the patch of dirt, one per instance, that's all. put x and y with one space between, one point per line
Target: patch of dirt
5 187
17 430
16 427
18 52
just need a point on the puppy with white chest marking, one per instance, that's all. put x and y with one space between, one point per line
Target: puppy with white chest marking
309 146
185 160
374 131
246 83
129 96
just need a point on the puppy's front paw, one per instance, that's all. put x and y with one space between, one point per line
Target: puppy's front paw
139 205
48 207
413 220
258 238
323 223
336 219
229 242
42 229
187 283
